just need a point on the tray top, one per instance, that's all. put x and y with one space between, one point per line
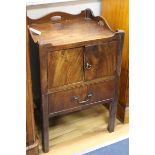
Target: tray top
70 31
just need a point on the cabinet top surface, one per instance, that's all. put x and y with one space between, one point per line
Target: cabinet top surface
70 31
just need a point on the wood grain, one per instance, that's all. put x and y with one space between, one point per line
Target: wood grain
117 14
61 101
80 84
65 67
77 29
70 31
102 59
65 100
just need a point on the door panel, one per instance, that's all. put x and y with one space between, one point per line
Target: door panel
65 67
100 60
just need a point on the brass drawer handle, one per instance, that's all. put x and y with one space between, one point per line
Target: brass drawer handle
85 101
88 66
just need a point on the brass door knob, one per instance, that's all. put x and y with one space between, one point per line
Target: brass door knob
88 66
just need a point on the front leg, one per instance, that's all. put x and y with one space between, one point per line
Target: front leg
112 115
113 108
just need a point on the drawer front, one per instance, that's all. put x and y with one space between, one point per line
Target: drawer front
102 91
77 97
100 60
65 67
65 99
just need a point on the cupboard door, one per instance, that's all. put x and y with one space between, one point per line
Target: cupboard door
100 60
65 67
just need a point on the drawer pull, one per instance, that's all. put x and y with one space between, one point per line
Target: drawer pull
88 66
85 101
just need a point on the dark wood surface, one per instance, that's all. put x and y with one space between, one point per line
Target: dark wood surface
31 139
64 100
79 65
117 14
69 62
70 31
102 59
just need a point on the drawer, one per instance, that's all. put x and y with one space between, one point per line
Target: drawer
80 96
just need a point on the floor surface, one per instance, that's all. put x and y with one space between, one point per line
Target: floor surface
81 131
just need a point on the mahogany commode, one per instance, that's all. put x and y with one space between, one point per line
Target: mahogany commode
75 63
